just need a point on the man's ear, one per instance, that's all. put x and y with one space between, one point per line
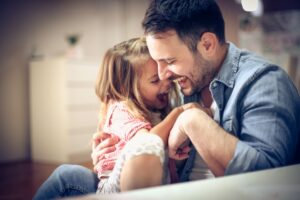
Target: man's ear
207 45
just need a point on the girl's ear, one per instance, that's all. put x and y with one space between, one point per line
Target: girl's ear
207 45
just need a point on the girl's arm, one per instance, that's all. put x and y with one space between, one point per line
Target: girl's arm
164 127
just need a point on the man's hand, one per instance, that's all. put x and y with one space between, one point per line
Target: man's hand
190 105
102 144
178 141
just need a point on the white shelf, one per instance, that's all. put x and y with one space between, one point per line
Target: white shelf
63 110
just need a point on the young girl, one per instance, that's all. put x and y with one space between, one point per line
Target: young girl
133 99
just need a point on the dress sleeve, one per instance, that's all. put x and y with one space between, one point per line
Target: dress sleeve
123 124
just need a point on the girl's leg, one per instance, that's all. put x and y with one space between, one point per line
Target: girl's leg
140 172
144 161
139 165
68 180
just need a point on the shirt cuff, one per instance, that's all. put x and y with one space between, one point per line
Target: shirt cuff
243 159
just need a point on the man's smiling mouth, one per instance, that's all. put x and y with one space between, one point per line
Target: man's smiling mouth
180 81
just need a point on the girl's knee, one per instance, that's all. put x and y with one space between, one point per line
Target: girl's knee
140 172
65 171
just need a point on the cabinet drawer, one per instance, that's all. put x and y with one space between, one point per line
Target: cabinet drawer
81 96
82 72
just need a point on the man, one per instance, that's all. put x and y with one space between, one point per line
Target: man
256 121
256 117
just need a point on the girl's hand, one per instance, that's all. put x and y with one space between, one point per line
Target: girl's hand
191 105
196 105
102 144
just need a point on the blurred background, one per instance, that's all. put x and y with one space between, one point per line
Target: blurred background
50 51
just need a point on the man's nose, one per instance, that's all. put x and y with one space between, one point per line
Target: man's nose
163 71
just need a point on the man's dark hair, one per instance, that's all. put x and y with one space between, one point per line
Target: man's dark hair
189 18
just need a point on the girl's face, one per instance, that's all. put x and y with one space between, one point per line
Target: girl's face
153 90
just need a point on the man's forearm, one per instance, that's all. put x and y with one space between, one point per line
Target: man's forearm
215 146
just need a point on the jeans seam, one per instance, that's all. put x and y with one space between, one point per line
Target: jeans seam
74 187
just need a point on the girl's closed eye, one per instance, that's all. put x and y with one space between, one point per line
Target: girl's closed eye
155 81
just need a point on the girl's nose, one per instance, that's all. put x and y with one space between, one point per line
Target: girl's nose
166 84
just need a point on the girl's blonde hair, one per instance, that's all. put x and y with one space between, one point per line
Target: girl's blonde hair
118 77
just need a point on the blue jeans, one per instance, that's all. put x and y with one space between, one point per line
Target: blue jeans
68 180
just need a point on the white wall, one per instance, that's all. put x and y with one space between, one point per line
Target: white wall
231 11
25 25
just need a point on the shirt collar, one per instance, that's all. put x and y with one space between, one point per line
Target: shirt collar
229 67
227 73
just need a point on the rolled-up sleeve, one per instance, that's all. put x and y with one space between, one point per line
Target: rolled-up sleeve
246 158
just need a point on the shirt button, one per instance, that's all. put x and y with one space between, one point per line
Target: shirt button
215 84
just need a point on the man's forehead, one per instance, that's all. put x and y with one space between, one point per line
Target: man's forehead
161 35
164 46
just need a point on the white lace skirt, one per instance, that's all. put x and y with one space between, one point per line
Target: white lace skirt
142 143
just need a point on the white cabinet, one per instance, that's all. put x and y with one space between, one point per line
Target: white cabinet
63 110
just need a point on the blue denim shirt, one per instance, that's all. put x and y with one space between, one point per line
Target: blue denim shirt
258 104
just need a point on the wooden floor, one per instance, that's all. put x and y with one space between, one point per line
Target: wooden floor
20 180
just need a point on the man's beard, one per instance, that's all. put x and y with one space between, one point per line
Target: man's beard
201 79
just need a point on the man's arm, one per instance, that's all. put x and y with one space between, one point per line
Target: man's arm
268 123
267 129
215 145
